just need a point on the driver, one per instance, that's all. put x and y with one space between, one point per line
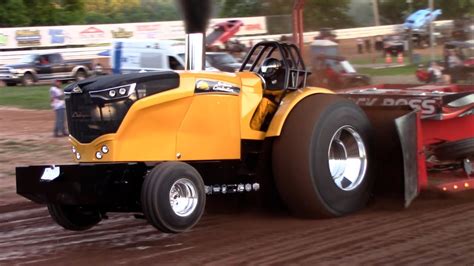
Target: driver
272 71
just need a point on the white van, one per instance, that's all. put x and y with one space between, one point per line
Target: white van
131 56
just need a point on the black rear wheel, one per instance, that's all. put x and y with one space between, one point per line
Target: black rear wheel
75 218
321 159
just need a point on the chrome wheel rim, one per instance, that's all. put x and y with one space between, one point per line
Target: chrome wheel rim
347 158
183 197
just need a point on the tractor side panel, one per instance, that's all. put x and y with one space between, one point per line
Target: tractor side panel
152 134
210 129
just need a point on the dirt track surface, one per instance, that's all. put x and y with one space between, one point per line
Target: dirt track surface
437 228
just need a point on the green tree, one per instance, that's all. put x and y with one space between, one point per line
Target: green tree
13 13
317 13
327 13
241 8
68 12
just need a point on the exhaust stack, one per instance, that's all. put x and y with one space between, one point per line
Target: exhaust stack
194 56
196 17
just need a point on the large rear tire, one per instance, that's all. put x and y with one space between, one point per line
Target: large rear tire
173 197
75 218
320 160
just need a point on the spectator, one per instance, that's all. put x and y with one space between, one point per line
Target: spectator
378 43
368 45
58 105
435 73
44 60
360 46
453 65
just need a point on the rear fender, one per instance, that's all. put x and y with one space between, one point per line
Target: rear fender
287 104
399 157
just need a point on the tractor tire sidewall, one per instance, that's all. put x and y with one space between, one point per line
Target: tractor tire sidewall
155 197
64 216
337 200
300 157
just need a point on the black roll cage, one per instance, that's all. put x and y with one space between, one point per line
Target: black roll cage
290 58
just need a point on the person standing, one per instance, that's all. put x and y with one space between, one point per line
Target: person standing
57 103
360 46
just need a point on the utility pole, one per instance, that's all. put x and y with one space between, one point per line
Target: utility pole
410 6
410 33
375 8
432 52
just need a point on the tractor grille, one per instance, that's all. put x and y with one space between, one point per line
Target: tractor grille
89 118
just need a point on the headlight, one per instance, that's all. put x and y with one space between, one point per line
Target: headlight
119 92
112 93
105 149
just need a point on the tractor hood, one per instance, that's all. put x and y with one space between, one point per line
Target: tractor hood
161 80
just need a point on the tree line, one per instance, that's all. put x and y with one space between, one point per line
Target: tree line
317 13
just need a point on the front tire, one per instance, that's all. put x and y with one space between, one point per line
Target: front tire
75 218
28 79
80 75
173 197
320 160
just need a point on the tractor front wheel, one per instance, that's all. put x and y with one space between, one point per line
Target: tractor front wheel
173 197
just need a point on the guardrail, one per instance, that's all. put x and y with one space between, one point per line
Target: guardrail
344 34
92 52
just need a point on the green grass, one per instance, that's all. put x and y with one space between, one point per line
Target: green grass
392 71
35 97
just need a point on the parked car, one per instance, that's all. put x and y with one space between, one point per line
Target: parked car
133 56
44 66
335 72
223 61
393 45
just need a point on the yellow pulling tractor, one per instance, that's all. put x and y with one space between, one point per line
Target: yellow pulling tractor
158 143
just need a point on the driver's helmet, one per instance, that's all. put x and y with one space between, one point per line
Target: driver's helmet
270 67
